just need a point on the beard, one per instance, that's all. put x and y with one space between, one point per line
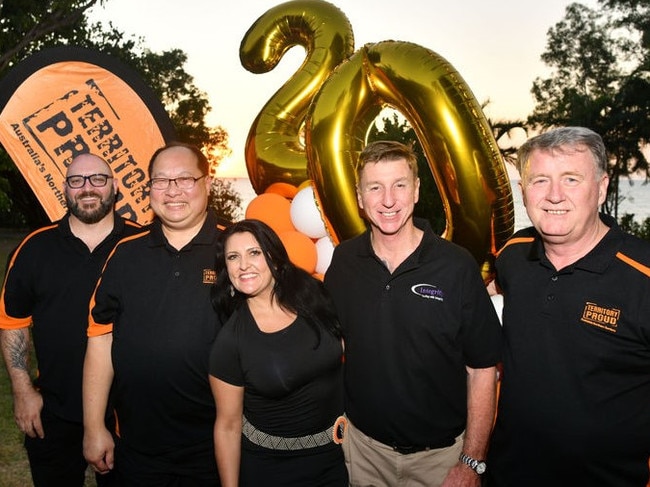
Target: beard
93 214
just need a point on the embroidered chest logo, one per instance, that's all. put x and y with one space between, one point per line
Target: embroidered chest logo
428 291
606 318
209 276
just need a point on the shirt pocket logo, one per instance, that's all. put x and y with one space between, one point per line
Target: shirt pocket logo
428 291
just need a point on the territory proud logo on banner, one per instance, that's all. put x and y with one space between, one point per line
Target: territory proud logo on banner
65 101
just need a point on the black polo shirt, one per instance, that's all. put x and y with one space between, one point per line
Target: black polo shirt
49 281
575 397
408 337
156 301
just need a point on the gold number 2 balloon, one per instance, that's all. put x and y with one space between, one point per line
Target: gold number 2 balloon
336 95
274 151
449 123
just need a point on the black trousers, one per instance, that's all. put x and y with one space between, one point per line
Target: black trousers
193 466
57 459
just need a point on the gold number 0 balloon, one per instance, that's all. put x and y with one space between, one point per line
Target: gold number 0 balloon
449 123
274 152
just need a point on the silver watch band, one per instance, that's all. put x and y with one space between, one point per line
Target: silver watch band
477 465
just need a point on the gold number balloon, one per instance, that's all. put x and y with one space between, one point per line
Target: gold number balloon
274 152
448 122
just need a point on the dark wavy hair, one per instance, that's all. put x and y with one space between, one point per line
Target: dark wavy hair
295 289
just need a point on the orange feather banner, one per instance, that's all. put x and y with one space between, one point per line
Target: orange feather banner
66 101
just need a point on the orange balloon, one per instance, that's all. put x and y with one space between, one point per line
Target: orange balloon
301 249
283 189
272 209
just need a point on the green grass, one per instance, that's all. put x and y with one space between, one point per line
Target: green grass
14 468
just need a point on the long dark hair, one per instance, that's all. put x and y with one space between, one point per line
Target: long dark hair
294 289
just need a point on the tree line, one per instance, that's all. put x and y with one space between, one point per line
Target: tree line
599 62
28 26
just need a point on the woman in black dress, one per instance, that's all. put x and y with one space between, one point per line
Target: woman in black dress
275 368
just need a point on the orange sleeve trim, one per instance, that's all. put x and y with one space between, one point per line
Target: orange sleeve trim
9 322
514 241
125 239
97 329
633 263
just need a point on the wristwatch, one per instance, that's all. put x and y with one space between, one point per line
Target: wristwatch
477 465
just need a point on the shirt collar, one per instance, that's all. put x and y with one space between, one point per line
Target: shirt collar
64 225
597 260
428 239
208 232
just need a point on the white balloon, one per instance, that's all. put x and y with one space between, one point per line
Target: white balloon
497 301
306 216
324 251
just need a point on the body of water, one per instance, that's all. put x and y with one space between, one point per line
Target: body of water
635 199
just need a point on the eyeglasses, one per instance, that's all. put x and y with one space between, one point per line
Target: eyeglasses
184 182
96 180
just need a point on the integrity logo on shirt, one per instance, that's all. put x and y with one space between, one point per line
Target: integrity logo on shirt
428 291
606 318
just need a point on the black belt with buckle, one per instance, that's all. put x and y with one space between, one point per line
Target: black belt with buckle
407 450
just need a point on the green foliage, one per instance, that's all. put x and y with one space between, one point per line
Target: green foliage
14 471
502 129
629 225
429 205
225 200
633 14
27 26
601 79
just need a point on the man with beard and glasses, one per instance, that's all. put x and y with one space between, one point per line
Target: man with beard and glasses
50 279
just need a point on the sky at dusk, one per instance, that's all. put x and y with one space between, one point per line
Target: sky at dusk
495 46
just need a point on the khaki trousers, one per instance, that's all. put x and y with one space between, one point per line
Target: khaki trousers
370 463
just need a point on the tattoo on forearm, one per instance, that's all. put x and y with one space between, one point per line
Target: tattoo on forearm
17 345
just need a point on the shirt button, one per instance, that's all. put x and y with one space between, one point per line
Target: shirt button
387 287
550 297
177 273
554 278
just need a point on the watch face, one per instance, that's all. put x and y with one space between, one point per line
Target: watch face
480 468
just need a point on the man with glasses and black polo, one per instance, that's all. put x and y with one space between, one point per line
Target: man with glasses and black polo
50 279
151 329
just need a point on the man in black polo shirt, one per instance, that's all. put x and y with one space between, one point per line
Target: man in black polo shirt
422 338
151 329
574 408
48 285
